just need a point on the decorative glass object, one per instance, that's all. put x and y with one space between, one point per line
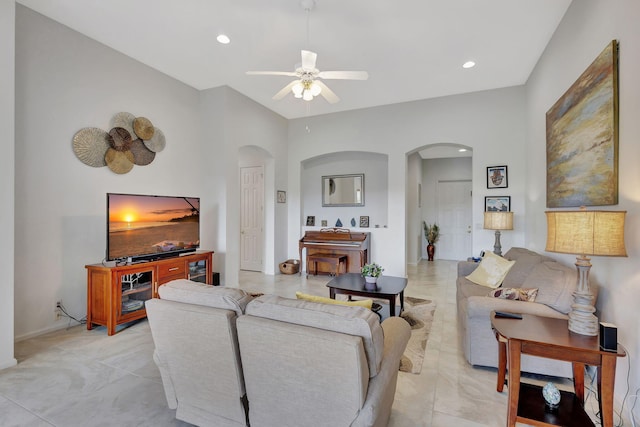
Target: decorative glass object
551 395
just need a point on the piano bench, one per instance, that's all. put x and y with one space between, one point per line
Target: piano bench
335 260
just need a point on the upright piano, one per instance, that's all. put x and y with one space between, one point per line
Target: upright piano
355 246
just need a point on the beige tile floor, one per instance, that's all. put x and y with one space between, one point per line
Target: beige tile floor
76 377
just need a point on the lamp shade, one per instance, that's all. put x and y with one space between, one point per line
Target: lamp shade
498 220
586 232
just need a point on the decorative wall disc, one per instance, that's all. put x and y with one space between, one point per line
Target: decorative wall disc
157 141
119 139
141 154
143 128
90 146
123 120
131 141
119 162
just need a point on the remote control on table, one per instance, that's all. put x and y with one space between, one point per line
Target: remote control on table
507 315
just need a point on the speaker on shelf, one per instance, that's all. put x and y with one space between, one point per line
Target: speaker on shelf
215 279
608 336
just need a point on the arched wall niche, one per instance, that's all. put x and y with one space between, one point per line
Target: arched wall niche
375 168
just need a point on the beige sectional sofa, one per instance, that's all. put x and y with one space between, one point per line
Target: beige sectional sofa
555 283
227 359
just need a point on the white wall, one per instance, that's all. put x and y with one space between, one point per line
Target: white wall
372 165
7 168
414 208
588 26
485 121
64 82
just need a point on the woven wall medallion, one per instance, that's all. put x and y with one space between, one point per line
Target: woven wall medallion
143 128
119 139
119 162
157 141
90 146
131 141
123 120
141 154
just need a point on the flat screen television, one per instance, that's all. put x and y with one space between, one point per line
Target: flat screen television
142 227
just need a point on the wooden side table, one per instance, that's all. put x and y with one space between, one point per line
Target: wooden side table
551 338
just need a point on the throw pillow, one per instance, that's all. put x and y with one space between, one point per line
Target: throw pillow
366 303
517 294
491 270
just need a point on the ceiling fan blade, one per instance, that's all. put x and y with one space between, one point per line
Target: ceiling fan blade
345 75
328 94
284 91
271 73
308 60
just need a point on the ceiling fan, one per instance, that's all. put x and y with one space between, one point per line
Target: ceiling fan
307 84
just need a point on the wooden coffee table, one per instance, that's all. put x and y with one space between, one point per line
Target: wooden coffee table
388 287
551 338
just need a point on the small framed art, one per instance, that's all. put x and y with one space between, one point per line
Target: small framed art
282 196
311 221
364 221
497 177
497 204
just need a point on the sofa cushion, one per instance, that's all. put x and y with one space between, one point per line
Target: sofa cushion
526 261
516 294
366 303
491 271
556 284
187 291
357 321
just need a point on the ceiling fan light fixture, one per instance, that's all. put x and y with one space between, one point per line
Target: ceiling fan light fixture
307 95
297 90
315 89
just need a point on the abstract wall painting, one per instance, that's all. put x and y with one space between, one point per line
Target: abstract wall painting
582 138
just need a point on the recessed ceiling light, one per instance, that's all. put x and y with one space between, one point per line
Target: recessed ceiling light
462 150
469 64
223 38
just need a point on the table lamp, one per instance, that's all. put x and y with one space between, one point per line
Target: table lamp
498 220
585 233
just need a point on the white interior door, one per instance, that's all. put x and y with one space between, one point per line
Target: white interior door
251 218
454 219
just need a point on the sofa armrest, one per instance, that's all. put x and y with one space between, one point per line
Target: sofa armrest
481 307
466 267
382 388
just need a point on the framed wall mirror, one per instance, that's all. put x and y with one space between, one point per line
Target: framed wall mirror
343 190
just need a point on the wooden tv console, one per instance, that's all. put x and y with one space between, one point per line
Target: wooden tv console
116 295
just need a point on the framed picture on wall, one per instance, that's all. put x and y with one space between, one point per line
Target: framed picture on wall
323 223
497 177
311 221
364 221
282 196
497 204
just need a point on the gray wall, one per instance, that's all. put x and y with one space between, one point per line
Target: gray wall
7 55
64 82
586 29
490 122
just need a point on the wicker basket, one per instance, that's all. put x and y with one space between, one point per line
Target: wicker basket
290 266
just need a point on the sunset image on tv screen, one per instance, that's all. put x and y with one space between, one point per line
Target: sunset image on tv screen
145 225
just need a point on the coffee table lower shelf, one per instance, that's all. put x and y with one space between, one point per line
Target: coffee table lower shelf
533 410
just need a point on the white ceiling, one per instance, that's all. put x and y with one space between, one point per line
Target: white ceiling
412 49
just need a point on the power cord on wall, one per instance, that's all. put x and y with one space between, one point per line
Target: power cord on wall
591 390
66 314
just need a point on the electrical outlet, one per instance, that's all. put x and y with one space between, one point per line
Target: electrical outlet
57 310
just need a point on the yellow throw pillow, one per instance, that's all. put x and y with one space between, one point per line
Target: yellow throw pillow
366 303
491 271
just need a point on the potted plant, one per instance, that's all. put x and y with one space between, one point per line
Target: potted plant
432 234
371 272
